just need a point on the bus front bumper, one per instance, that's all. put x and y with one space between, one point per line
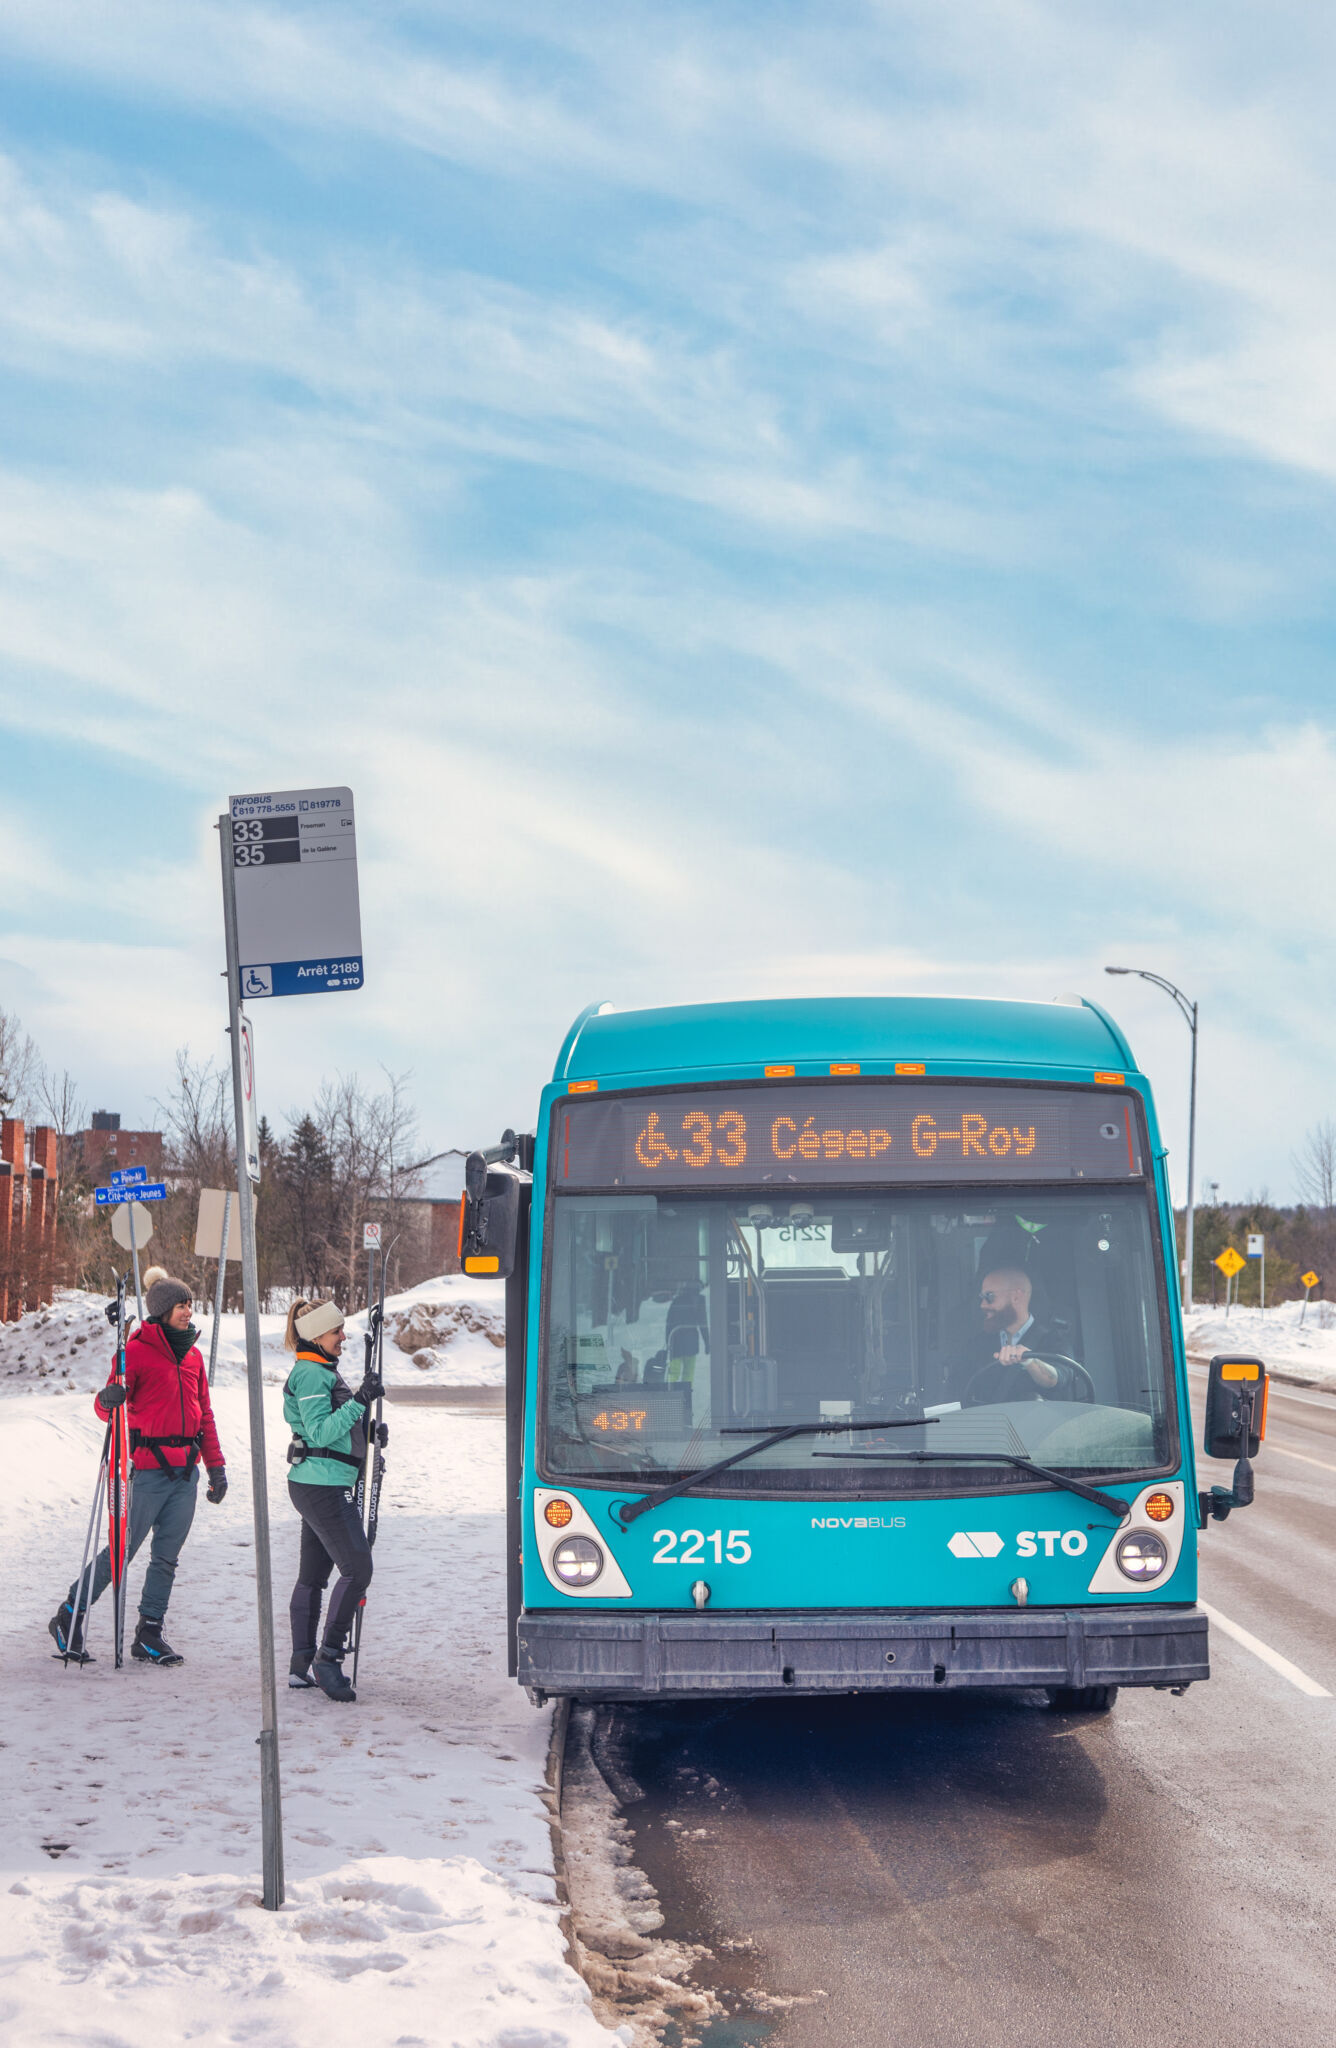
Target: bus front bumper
603 1655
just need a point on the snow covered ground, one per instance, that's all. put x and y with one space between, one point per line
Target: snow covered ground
1298 1350
449 1332
421 1899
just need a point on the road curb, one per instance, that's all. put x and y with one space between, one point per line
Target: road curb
554 1775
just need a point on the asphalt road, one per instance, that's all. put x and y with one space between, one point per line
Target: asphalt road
979 1871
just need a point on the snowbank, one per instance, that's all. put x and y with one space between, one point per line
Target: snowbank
393 1950
449 1332
1297 1350
421 1897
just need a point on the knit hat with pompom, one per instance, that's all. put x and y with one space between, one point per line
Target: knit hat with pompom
162 1293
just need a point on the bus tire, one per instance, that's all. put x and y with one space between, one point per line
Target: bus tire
1081 1699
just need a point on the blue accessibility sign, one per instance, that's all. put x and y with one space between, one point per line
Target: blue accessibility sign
301 977
154 1191
130 1177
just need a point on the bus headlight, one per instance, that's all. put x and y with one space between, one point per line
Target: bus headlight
579 1560
1142 1555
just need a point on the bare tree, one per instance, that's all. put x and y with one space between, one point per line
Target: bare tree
20 1068
60 1103
369 1140
1315 1167
199 1132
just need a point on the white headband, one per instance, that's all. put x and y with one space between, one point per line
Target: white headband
319 1321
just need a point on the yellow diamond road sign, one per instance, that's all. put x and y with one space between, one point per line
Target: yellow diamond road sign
1310 1279
1230 1262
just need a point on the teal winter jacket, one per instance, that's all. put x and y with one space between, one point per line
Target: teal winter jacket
325 1414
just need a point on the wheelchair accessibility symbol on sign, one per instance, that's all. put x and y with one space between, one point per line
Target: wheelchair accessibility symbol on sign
257 981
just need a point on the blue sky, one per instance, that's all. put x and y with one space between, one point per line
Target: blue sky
753 499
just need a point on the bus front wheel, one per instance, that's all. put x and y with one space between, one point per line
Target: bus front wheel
1081 1699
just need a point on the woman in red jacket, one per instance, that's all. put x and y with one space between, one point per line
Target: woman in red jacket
171 1431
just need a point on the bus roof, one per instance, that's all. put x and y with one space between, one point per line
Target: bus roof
810 1032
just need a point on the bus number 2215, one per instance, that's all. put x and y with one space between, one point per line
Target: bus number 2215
734 1547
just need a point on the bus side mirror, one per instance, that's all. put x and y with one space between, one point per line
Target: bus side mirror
489 1218
1236 1392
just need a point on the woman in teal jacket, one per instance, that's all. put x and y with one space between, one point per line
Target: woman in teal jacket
329 1439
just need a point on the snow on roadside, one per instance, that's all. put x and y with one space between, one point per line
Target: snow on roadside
448 1332
421 1897
1300 1350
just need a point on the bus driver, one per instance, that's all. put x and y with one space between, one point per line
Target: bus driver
1004 1298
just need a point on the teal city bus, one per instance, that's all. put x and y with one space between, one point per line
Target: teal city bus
844 1354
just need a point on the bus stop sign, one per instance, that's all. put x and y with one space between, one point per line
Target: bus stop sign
294 870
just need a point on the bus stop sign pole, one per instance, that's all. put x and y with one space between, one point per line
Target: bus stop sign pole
271 1808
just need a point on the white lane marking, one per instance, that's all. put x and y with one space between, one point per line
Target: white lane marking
1268 1656
1302 1456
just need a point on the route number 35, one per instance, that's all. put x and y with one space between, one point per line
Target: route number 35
734 1547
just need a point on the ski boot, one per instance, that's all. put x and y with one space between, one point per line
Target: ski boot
299 1672
68 1635
149 1646
329 1675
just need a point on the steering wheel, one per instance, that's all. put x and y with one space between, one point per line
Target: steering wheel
1084 1389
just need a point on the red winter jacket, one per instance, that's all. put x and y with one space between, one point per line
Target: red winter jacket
166 1399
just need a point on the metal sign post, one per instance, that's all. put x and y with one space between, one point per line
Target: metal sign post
271 1808
1257 1250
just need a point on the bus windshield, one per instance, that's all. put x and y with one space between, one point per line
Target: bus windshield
1014 1321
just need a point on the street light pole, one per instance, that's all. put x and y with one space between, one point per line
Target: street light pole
1188 1011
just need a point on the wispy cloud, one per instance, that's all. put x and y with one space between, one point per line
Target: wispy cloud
750 502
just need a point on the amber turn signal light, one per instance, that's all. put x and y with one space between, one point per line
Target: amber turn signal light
1160 1506
558 1513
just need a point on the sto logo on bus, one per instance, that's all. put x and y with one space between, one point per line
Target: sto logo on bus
1029 1542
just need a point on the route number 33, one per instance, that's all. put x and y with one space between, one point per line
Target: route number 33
735 1547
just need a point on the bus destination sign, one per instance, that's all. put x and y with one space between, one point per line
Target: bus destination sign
823 1136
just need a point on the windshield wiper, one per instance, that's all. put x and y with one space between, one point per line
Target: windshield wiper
628 1512
1101 1500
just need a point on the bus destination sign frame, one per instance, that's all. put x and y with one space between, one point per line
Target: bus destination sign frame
819 1134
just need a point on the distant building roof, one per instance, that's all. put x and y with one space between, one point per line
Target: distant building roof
440 1178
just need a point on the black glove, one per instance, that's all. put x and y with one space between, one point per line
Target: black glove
372 1386
112 1394
381 1432
217 1484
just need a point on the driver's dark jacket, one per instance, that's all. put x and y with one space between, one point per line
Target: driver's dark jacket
1013 1382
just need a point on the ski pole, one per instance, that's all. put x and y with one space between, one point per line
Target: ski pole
83 1583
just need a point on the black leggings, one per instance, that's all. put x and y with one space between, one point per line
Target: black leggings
332 1534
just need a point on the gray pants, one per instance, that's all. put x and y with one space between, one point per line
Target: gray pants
167 1507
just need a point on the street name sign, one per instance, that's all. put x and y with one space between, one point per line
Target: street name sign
294 872
130 1177
152 1191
